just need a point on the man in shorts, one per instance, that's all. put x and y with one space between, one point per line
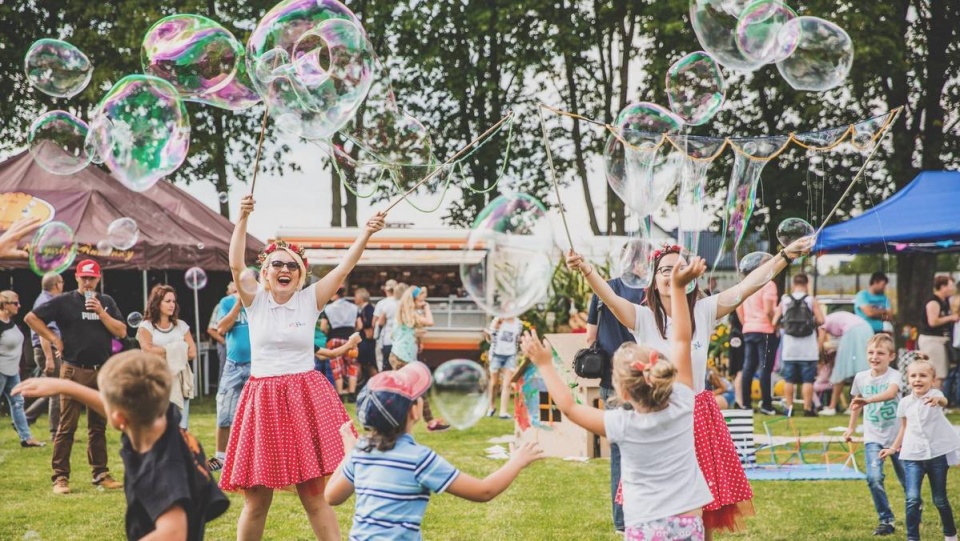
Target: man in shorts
236 371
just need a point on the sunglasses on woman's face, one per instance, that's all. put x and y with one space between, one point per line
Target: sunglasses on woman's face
16 303
290 265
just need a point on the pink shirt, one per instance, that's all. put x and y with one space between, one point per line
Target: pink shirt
755 315
840 322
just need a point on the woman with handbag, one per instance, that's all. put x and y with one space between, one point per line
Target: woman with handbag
650 322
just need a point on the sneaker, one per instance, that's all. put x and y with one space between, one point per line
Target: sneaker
61 486
506 417
437 425
884 529
809 413
214 464
491 412
352 398
767 411
830 412
107 481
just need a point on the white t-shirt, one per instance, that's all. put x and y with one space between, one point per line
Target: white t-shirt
505 338
705 315
165 338
658 461
281 335
342 313
795 348
880 423
929 433
388 307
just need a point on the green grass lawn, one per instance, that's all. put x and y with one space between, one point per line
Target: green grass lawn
551 500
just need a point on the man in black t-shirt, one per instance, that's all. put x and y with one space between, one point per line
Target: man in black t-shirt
88 322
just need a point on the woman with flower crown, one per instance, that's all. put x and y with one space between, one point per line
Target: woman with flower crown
650 323
286 428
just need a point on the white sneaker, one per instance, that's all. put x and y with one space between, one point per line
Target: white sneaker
828 412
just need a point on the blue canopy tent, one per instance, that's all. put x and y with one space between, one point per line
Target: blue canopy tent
922 217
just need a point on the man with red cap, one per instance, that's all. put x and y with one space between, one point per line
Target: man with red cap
88 321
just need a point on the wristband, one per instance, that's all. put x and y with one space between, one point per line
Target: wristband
788 259
585 274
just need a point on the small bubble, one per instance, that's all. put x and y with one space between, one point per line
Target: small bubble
200 246
223 197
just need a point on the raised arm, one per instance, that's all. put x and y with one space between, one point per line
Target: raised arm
238 247
10 238
624 310
488 488
539 354
35 387
328 284
731 298
682 329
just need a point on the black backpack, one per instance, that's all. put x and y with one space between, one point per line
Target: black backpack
798 320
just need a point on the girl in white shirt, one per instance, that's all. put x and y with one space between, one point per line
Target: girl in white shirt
663 487
928 446
286 428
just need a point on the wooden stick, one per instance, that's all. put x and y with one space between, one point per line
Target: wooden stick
448 162
256 163
553 175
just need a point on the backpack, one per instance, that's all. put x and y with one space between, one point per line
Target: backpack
798 320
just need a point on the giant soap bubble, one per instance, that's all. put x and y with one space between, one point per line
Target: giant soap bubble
715 23
794 229
195 54
508 263
237 95
634 264
459 391
695 88
57 142
196 278
822 58
57 68
123 233
52 249
313 65
760 34
147 133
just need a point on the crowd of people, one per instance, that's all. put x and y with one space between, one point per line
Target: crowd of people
292 353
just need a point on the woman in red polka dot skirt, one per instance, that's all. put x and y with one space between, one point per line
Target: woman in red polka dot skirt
650 322
286 429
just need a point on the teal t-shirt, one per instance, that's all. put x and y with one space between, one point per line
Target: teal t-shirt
865 298
238 337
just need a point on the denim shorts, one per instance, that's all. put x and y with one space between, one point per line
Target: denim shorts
799 371
498 362
234 377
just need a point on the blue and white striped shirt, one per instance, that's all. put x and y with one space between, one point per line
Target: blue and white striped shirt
393 488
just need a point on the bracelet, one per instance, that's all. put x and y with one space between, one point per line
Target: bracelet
788 259
587 273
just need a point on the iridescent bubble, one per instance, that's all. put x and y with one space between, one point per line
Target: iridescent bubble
753 261
715 23
794 229
52 249
823 56
134 319
507 263
695 88
459 392
223 197
147 133
633 262
195 278
57 142
760 34
237 95
200 246
312 63
123 233
104 247
57 68
247 283
195 54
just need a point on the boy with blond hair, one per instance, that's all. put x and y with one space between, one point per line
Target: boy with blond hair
877 392
170 492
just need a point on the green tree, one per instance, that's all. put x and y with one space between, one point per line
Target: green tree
222 143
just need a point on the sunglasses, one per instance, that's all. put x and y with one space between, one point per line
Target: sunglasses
17 303
290 265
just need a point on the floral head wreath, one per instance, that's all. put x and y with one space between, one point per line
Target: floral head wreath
664 250
273 246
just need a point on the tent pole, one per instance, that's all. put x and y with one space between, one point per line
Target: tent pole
196 323
145 293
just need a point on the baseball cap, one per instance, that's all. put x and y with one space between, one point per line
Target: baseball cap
88 267
386 399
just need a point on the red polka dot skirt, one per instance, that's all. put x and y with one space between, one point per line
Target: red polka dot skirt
285 432
721 466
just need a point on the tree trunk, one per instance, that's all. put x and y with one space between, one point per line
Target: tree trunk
220 160
581 162
336 206
351 209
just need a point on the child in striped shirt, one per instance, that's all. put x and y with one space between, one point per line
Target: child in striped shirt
392 475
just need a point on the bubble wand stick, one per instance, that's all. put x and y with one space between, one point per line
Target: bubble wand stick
256 163
449 161
553 175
